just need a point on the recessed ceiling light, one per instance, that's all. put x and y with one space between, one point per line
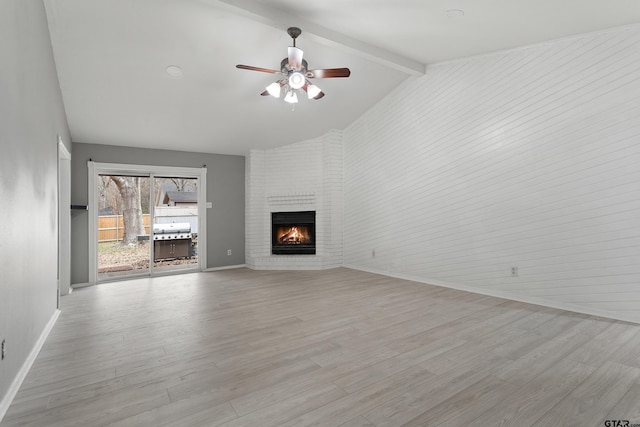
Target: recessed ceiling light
175 72
455 13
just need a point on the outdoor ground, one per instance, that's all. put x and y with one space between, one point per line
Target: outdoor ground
113 256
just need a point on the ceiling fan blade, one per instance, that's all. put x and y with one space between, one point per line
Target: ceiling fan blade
328 73
264 70
295 58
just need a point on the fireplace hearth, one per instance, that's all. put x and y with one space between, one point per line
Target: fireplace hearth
293 233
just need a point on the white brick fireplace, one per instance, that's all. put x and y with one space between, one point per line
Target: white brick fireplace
306 176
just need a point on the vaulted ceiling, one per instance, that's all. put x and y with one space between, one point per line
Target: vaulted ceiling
114 60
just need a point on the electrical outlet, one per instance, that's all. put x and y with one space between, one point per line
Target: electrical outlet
4 349
514 271
228 251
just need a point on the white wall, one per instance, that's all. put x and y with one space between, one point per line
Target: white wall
31 118
527 158
306 176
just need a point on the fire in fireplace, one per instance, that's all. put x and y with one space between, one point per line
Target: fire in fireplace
293 233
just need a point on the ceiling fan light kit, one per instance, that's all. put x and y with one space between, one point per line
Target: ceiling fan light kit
296 80
313 91
274 89
295 72
291 97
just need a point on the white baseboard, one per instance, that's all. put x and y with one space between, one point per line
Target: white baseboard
226 267
26 366
504 295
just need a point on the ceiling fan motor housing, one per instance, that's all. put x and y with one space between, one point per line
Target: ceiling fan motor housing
284 66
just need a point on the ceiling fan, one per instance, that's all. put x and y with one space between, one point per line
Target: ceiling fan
296 74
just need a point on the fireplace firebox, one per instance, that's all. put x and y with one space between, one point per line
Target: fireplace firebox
293 233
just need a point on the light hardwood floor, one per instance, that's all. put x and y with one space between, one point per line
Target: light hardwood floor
326 348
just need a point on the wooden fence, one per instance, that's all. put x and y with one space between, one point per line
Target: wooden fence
111 227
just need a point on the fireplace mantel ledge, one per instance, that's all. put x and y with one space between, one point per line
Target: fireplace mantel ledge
291 199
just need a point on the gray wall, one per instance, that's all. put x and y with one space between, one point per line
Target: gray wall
31 118
225 189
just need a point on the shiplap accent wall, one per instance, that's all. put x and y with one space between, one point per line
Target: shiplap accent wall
306 176
528 158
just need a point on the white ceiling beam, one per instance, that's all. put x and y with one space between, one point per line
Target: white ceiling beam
281 19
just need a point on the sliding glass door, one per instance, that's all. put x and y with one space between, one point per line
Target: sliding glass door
145 221
123 226
175 224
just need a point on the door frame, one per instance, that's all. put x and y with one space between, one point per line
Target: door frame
64 220
96 169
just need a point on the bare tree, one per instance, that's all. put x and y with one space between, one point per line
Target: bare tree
184 184
129 188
